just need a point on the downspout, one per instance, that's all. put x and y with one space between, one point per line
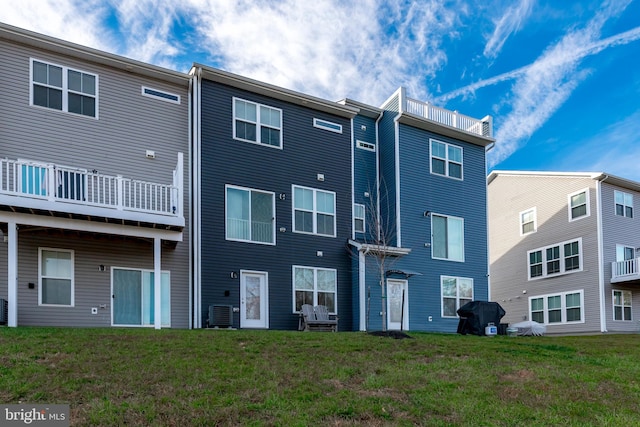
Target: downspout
190 202
603 310
197 190
353 182
486 201
401 101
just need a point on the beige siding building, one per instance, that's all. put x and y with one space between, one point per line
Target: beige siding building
563 250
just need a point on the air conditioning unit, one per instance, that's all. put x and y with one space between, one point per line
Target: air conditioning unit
220 316
4 308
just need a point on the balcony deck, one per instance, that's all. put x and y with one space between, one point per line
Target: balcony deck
625 271
50 189
452 119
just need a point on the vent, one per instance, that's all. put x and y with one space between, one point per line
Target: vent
3 311
220 316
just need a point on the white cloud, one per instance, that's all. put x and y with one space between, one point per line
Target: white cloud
506 25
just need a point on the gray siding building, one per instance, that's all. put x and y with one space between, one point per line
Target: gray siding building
564 250
93 187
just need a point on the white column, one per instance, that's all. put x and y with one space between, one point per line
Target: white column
12 277
157 281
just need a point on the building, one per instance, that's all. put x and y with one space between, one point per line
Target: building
420 217
94 194
563 250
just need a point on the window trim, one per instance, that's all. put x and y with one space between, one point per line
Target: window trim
72 278
442 297
327 125
432 243
563 307
614 305
144 92
314 211
534 210
562 258
587 202
446 159
315 285
249 190
367 146
257 123
64 88
624 205
362 218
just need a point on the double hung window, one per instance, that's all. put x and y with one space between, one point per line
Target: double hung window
257 123
359 218
579 204
315 286
556 259
528 221
622 305
565 307
624 204
456 292
447 237
64 89
56 277
446 159
314 211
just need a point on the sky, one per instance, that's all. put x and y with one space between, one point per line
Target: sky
560 78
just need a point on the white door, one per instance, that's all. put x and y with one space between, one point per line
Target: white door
397 305
253 300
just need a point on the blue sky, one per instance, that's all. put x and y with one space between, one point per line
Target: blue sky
560 78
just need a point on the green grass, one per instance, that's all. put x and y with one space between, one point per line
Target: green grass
206 377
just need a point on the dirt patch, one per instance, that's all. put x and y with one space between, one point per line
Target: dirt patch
398 335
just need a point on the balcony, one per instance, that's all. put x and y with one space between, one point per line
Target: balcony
453 119
50 189
625 271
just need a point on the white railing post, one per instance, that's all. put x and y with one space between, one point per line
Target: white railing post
120 193
51 183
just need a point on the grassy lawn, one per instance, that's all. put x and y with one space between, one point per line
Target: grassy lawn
206 377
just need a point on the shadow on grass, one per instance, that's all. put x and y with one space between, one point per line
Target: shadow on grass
399 335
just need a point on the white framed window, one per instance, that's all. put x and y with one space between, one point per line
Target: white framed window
456 292
64 89
622 305
161 95
557 259
56 277
579 204
314 211
327 125
560 308
366 145
446 159
315 286
447 237
624 204
359 218
250 215
528 221
257 123
625 253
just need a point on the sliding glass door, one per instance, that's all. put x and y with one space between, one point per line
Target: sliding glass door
133 294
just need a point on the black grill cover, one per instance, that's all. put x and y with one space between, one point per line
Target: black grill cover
476 315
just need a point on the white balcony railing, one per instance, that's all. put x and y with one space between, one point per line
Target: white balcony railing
55 183
625 270
450 118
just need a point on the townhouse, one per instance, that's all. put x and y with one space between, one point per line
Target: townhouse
564 249
93 187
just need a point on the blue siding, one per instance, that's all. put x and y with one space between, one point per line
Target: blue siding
388 166
365 171
307 151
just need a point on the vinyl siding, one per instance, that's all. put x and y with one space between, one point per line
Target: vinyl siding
510 195
365 170
306 152
619 230
388 161
115 144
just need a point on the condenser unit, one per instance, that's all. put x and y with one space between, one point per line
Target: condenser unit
3 311
220 316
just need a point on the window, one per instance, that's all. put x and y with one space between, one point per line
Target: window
561 258
64 89
55 277
315 286
446 159
366 145
314 211
358 218
565 307
528 221
250 215
257 123
624 253
622 305
330 126
447 239
161 95
624 204
456 292
579 205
